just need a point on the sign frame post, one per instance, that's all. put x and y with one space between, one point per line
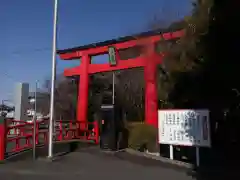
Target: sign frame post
171 152
198 156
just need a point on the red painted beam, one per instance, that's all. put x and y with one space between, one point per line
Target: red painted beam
97 68
121 64
73 71
123 45
69 56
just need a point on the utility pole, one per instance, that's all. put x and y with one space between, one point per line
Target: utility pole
2 108
54 43
34 121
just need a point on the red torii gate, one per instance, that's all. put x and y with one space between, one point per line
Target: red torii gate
148 59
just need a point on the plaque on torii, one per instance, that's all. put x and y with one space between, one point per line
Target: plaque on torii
149 59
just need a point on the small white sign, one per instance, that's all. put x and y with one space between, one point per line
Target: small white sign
184 127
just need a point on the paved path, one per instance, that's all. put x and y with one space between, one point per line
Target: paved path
89 164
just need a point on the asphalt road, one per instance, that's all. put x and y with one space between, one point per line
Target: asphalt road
89 164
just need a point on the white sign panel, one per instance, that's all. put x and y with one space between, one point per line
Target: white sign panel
184 127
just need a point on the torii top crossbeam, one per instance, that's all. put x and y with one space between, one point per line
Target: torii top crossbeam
148 59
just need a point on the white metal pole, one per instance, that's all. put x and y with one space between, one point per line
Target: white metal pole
34 121
50 143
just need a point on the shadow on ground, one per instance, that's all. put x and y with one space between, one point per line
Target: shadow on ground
219 165
59 149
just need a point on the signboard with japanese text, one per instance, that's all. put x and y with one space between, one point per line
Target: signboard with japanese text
112 56
184 127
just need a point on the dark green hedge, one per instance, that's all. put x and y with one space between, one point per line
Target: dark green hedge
143 137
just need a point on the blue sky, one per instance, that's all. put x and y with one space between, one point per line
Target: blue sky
26 31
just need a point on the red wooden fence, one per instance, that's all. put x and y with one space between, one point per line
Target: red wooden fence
16 136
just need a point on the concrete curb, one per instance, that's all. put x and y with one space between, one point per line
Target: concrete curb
159 158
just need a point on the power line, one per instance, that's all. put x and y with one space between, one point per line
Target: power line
19 52
7 76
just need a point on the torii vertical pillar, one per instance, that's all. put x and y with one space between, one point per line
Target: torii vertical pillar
82 106
150 76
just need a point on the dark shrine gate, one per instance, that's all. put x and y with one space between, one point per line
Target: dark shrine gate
148 60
